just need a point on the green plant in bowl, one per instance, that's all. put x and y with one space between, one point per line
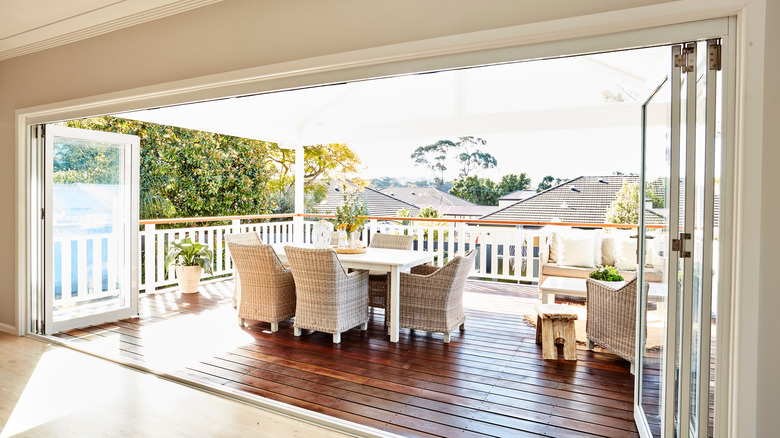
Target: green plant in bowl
606 273
189 253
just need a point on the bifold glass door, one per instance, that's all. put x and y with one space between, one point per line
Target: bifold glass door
90 227
678 251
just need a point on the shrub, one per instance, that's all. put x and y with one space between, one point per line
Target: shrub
607 273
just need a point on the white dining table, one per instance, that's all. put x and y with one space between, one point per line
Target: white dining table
393 261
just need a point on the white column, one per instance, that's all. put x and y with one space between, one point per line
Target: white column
299 207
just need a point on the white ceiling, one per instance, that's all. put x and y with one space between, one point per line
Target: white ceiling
28 26
552 95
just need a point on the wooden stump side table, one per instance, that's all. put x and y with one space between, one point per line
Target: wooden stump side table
556 321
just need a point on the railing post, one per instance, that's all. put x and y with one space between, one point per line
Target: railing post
461 239
235 226
150 255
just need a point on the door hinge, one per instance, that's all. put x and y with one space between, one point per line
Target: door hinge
43 214
679 245
714 54
681 60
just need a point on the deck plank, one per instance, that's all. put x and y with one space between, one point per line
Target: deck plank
489 381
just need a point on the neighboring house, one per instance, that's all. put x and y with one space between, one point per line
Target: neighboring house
582 200
378 203
511 198
448 204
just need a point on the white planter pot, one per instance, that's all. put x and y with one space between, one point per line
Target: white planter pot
189 278
613 284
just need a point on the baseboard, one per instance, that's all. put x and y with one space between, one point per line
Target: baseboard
8 329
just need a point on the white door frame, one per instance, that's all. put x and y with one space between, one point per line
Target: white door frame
504 45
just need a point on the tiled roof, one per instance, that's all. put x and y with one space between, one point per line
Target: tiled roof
580 200
378 203
474 211
425 196
517 195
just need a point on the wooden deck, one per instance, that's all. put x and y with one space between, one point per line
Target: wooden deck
490 381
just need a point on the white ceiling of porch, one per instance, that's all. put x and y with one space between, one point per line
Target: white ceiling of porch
566 93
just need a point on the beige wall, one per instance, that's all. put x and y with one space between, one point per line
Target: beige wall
769 300
238 34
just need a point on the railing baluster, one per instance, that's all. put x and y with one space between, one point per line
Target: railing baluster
67 268
97 265
111 263
81 257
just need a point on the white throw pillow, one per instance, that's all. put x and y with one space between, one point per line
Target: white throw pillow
576 249
558 238
608 250
625 253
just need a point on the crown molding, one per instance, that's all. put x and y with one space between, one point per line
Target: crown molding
100 21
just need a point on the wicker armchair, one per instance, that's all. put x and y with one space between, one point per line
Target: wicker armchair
329 299
268 288
611 317
379 282
251 238
432 298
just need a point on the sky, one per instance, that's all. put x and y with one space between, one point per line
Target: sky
562 154
575 144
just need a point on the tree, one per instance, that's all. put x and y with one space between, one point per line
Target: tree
549 182
193 173
322 162
512 183
625 207
469 158
481 191
384 182
434 157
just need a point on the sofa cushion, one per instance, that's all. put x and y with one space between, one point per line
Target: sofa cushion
608 250
559 237
577 250
556 270
625 254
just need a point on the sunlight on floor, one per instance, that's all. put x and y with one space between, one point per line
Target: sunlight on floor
175 343
67 372
71 394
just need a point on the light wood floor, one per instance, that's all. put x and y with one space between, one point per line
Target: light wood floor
49 391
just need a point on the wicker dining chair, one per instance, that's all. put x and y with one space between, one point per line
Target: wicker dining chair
611 317
432 298
250 238
329 299
379 282
267 287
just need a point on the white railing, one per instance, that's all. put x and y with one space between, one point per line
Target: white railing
154 244
80 271
502 253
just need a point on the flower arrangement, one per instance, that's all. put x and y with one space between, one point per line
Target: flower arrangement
606 273
351 215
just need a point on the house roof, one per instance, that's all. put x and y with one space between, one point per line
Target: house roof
426 196
474 211
378 203
581 200
518 195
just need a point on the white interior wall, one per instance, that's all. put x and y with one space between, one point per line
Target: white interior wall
238 34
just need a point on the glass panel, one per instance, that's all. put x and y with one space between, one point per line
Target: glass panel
698 228
715 264
90 205
657 165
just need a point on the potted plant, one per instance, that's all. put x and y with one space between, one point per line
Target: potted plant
608 274
192 259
